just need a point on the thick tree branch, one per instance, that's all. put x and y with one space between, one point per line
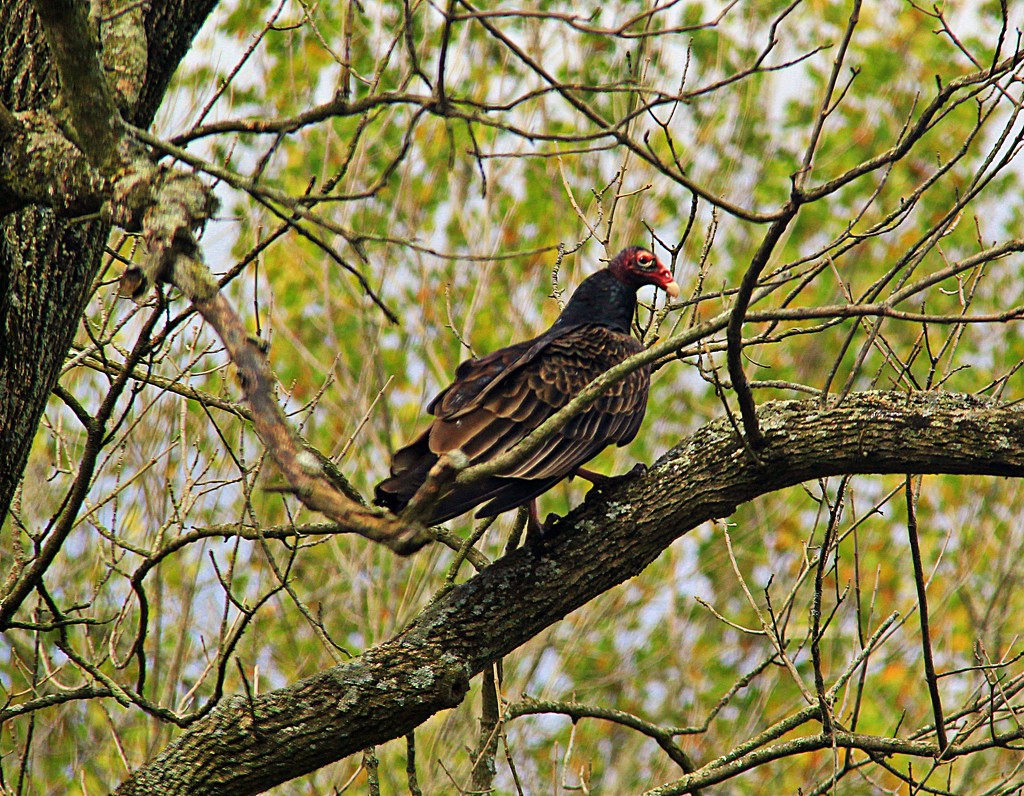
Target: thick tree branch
168 206
734 332
48 264
32 143
244 747
84 90
303 470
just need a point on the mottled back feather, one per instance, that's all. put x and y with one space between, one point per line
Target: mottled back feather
495 401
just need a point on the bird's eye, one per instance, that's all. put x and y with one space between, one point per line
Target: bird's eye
645 261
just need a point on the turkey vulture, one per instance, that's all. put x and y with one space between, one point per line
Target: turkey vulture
497 400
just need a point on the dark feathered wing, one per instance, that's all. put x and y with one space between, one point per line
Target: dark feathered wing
495 401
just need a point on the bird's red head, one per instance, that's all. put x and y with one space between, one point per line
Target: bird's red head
636 267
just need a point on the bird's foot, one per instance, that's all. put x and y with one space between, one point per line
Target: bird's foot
539 535
534 527
597 479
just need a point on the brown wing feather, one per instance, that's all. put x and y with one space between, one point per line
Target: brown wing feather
476 378
500 417
495 401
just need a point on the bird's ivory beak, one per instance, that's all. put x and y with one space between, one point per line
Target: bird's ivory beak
672 288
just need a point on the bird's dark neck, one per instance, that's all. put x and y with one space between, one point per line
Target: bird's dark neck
600 299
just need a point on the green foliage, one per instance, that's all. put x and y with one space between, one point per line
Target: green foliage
454 222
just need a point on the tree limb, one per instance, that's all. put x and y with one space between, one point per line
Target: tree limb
243 747
84 90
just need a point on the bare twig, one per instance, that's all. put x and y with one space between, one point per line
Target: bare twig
922 604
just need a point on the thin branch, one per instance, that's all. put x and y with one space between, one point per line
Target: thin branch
734 332
826 101
32 574
576 710
831 529
483 756
922 606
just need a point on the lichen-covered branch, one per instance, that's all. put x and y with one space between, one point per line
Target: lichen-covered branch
610 538
85 93
117 178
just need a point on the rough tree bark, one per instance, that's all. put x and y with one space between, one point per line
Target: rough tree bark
49 257
246 746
